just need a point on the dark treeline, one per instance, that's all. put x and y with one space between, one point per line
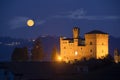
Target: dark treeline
36 53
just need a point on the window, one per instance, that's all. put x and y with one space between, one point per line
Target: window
91 50
102 51
64 42
64 47
90 43
102 43
76 53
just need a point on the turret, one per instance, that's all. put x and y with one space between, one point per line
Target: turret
76 32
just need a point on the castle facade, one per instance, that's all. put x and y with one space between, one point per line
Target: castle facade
95 45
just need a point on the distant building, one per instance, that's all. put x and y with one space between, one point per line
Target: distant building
95 45
116 56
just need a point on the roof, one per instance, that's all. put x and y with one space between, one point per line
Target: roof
68 39
96 32
73 38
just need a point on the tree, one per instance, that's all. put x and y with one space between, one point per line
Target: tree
54 53
20 54
37 51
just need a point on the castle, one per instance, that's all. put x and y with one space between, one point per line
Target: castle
95 45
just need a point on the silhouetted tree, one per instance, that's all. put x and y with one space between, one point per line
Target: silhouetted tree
109 57
37 51
54 53
20 54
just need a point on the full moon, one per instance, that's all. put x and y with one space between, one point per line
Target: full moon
30 22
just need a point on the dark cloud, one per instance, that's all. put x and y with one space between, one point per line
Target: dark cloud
81 14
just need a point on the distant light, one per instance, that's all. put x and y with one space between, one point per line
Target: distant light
33 40
12 43
30 22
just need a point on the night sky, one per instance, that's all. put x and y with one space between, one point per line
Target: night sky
58 17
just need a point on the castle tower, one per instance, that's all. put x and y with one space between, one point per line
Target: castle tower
96 44
76 32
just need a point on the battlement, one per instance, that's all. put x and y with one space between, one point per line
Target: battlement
76 31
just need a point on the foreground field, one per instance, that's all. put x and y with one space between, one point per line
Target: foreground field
58 71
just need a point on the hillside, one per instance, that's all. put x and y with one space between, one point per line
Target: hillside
8 44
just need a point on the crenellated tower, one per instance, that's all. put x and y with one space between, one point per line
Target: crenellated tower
76 31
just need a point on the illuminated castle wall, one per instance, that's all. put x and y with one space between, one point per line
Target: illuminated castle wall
95 45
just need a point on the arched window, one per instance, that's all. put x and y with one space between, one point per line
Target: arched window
90 43
91 50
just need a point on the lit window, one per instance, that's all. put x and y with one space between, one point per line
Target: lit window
76 53
102 51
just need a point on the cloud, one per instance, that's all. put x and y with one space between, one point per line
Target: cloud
40 22
20 22
81 14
